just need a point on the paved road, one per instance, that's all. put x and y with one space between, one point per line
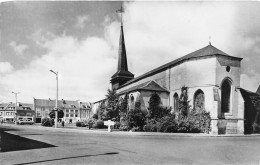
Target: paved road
36 145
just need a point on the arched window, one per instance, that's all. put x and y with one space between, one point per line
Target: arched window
226 96
132 102
199 101
175 102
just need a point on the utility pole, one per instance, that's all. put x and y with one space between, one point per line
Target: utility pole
56 111
15 93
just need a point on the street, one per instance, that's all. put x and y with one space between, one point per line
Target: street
39 145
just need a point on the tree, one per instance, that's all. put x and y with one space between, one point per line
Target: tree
135 117
124 104
184 106
113 105
154 107
60 113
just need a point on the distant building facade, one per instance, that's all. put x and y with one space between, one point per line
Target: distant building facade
7 111
73 110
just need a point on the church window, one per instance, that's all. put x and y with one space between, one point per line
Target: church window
199 100
226 96
132 103
228 68
175 102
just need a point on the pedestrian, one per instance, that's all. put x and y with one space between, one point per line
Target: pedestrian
90 124
62 123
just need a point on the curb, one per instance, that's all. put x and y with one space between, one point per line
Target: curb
125 133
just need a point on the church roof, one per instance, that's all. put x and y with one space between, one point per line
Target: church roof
147 86
204 52
258 90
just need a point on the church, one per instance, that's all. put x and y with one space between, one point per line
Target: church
211 75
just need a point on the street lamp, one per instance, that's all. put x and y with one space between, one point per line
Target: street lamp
56 111
15 93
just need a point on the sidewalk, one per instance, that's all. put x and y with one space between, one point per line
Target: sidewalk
73 128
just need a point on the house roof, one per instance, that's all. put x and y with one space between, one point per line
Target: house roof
52 103
204 52
21 106
147 86
86 105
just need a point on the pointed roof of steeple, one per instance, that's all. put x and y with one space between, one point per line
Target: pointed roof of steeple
122 68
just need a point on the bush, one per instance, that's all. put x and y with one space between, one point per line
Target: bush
117 125
99 124
152 126
47 122
200 120
135 118
169 124
95 116
81 124
186 126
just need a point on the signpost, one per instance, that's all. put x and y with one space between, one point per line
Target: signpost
109 123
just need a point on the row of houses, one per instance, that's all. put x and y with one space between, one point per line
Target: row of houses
73 110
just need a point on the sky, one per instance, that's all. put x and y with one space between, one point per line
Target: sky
80 39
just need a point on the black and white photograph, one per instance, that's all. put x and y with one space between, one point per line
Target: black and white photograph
129 82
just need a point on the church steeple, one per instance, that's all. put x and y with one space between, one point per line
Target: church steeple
122 60
122 75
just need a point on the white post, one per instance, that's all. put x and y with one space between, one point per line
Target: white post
109 123
56 111
15 93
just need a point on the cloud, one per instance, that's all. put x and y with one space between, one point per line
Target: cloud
155 33
18 49
158 32
81 21
250 81
84 68
5 67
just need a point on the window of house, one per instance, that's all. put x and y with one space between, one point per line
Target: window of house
71 111
71 115
76 115
67 111
67 115
76 111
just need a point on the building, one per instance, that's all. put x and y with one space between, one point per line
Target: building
85 110
211 75
7 111
73 110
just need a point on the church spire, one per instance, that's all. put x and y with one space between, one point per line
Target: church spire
122 60
122 75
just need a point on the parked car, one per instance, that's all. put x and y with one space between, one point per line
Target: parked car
25 121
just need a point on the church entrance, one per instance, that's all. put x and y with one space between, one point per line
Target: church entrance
225 96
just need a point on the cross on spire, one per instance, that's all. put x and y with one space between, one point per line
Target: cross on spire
121 11
209 40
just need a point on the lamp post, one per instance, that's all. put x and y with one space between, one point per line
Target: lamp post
56 111
15 93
